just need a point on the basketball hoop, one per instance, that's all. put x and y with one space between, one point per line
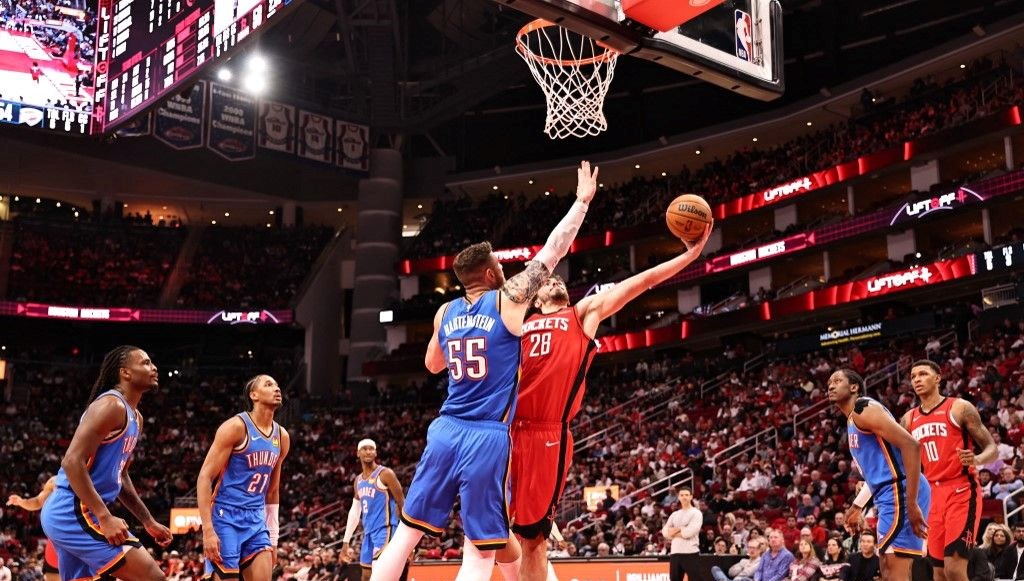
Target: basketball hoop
574 71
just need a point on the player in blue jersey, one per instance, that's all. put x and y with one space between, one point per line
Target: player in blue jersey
378 500
890 461
90 541
477 338
240 511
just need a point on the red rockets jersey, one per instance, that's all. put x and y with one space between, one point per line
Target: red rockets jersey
940 438
556 355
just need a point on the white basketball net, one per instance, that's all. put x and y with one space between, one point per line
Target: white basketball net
574 72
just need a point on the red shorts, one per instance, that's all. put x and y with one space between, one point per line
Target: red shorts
953 519
541 456
49 559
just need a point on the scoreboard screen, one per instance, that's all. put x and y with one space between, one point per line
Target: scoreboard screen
145 49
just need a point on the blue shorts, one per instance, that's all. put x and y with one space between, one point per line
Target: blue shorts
243 536
82 550
894 530
373 544
468 459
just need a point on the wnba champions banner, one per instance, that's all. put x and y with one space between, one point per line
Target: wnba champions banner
179 121
353 145
316 135
277 127
232 123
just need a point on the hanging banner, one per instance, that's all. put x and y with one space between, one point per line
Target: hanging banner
353 145
316 135
179 121
232 123
277 127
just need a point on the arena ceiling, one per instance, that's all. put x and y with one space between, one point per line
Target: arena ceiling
441 77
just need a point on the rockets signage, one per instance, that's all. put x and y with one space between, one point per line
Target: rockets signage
945 202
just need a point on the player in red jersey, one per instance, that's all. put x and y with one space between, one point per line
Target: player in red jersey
948 432
557 348
50 572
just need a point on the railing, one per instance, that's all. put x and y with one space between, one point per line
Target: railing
1010 513
997 296
901 366
742 447
676 479
810 413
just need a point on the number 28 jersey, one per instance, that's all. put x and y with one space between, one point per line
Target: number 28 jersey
483 360
556 356
246 478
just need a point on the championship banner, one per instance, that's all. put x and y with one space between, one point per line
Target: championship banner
353 145
139 126
232 123
316 135
179 120
276 127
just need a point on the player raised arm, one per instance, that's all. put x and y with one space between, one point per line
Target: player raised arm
518 292
970 420
274 494
229 435
596 308
130 499
36 502
105 416
874 419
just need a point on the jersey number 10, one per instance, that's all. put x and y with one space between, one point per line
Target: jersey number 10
932 451
466 358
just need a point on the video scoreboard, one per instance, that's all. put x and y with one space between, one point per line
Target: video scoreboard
146 49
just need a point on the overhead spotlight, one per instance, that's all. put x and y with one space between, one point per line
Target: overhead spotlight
663 140
224 74
58 204
697 151
255 83
637 166
39 201
271 212
268 224
76 214
530 182
214 222
663 174
754 140
227 214
600 185
256 64
809 123
339 209
963 66
419 206
18 199
495 188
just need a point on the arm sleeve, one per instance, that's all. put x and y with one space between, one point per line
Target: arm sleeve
562 236
273 522
353 520
862 497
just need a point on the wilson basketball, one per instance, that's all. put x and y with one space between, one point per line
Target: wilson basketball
687 216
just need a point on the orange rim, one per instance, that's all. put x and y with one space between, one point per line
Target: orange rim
609 53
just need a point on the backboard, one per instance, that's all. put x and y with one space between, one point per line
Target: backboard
735 44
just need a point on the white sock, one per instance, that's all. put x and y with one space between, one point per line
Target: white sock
511 570
389 566
476 564
551 572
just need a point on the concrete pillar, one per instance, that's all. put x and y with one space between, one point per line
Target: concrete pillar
288 215
688 299
986 226
923 177
900 244
1008 150
378 236
410 286
785 217
760 278
851 208
827 264
632 258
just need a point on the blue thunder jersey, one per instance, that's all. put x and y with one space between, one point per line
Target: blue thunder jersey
379 509
114 452
880 462
483 360
246 478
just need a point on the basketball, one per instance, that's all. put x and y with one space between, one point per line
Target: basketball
687 216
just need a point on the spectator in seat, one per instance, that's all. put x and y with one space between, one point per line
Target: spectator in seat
1008 484
985 481
978 567
995 543
746 568
1011 566
807 507
818 533
834 564
864 563
806 566
775 562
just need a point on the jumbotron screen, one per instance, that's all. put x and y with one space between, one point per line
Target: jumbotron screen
46 63
145 49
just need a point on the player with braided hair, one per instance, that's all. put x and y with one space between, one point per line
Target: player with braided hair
89 540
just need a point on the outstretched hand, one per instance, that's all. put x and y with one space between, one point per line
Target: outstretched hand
695 247
586 182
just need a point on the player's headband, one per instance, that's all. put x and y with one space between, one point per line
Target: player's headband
366 442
